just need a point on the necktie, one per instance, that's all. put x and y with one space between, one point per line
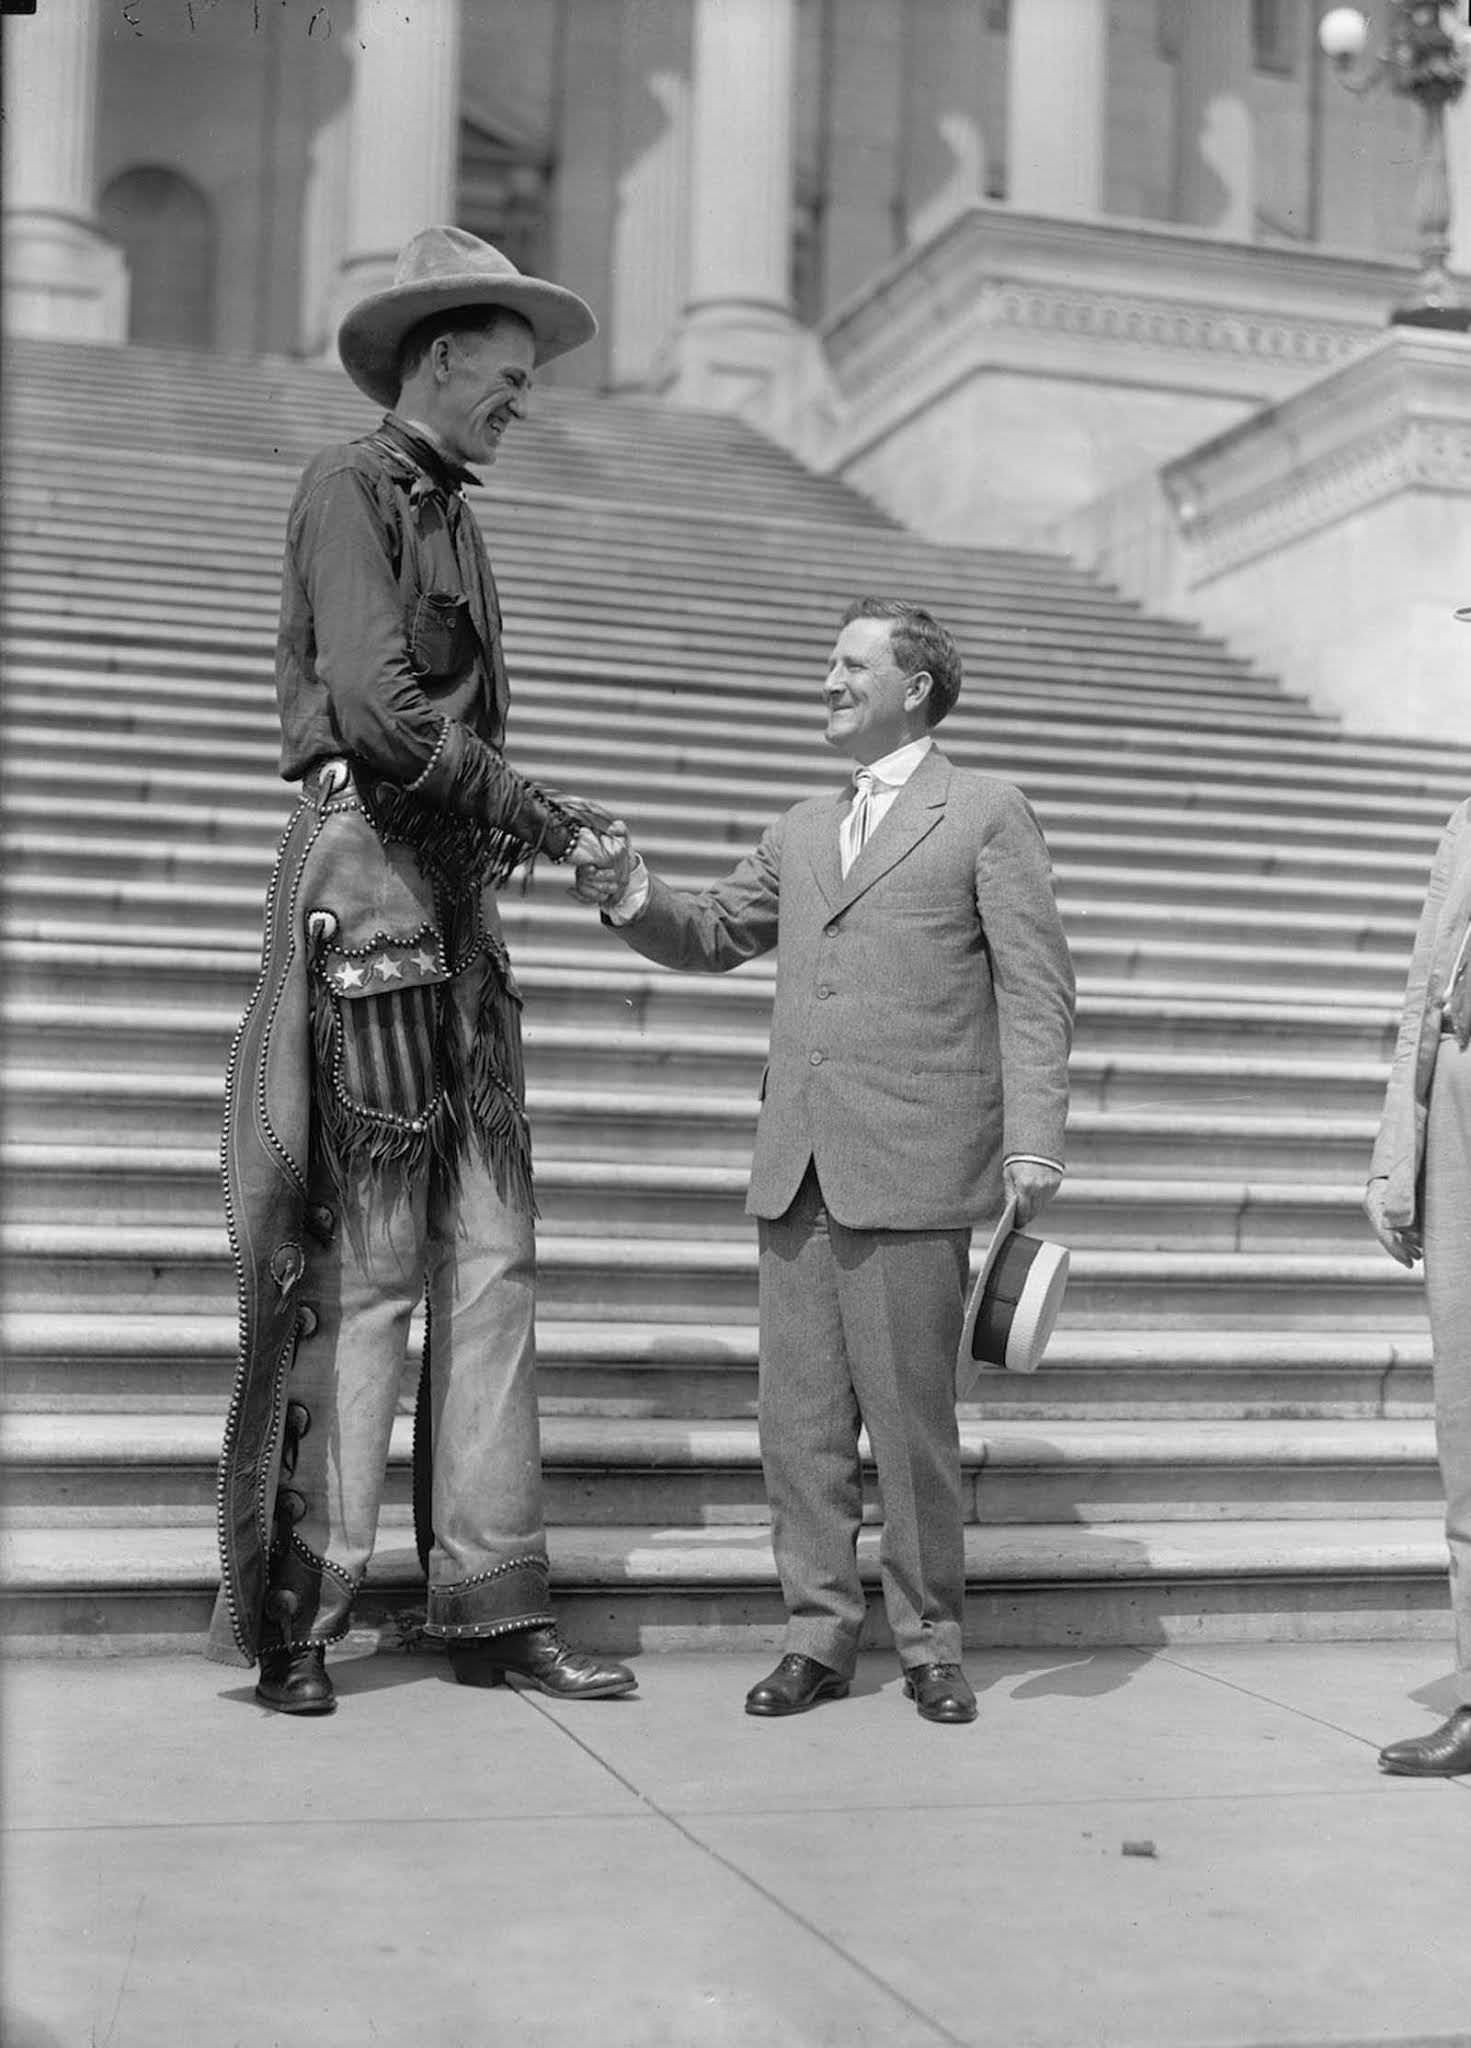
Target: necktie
860 818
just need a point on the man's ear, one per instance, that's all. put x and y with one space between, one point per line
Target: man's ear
441 357
920 686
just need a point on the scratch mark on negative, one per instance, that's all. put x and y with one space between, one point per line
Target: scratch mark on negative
127 1973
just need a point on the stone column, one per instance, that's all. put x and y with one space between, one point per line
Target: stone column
62 275
405 139
1214 184
1458 149
738 327
945 169
1057 82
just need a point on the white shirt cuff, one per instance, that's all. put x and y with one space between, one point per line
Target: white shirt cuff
635 898
1033 1159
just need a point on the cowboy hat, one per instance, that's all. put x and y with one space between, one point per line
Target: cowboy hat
1013 1303
442 268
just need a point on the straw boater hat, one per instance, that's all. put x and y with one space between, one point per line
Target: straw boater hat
1013 1304
441 268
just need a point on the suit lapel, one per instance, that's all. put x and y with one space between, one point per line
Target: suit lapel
915 812
823 848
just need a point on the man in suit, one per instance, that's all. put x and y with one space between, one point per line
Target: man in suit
1419 1204
917 1075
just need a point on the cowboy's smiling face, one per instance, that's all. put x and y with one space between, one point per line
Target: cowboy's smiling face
481 382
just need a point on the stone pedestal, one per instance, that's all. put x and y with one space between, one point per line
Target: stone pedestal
403 153
1057 83
738 333
62 275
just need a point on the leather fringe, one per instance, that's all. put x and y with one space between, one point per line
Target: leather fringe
479 1101
457 854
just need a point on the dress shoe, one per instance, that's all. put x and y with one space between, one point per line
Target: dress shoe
796 1684
1444 1753
941 1692
541 1658
296 1681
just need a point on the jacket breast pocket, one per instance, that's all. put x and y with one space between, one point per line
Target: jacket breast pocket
440 635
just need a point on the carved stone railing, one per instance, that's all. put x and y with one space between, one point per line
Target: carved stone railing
1329 536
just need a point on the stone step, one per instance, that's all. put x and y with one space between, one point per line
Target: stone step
1055 684
187 505
186 1269
795 633
1363 957
51 1011
1087 882
561 1055
128 1106
743 480
98 1469
995 622
159 838
1241 878
172 1184
59 1359
743 658
111 1590
1014 742
217 798
637 780
780 693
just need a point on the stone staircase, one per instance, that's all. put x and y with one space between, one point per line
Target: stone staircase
1231 1434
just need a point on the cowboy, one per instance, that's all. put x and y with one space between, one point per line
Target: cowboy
376 1152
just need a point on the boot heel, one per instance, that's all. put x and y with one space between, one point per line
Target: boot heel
472 1668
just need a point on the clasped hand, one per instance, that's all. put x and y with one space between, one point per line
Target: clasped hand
603 862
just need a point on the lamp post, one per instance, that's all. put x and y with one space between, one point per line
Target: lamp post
1424 56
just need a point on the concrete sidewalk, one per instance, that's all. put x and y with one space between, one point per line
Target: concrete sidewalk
439 1868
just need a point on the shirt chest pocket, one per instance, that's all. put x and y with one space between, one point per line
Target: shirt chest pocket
440 635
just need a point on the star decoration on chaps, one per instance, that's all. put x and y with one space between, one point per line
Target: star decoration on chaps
387 968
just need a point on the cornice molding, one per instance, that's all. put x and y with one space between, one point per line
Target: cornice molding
1108 294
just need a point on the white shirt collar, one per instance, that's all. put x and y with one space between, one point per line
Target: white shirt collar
895 769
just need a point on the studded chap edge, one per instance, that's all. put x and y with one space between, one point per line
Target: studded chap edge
241 1625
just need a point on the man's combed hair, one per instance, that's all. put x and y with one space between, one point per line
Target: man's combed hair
419 340
919 642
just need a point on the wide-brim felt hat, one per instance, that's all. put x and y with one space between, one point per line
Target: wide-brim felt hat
1013 1303
440 269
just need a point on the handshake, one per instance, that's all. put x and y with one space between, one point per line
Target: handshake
602 858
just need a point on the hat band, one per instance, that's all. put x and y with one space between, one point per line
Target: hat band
1005 1285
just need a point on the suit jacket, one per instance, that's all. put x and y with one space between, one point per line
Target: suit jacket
1400 1149
924 1001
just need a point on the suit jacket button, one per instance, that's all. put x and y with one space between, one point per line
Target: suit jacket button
823 993
829 931
817 1059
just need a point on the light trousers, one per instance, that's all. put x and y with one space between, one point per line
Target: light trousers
471 1259
861 1327
1447 1217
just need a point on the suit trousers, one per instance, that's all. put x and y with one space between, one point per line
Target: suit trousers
860 1328
1447 1213
471 1259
